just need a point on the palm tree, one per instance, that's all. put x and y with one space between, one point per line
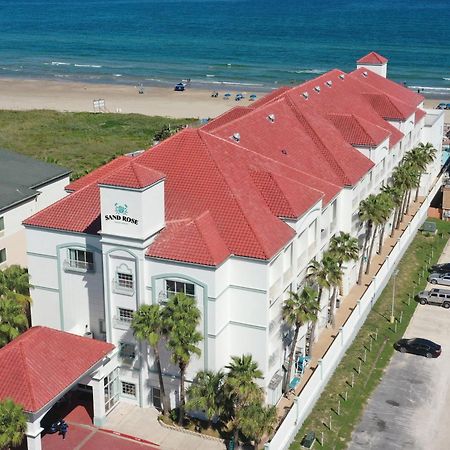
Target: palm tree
335 280
241 388
15 279
396 196
13 319
368 210
344 247
420 157
386 207
258 420
298 309
13 424
182 318
206 393
148 326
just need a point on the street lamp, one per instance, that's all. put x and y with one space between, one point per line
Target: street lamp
393 297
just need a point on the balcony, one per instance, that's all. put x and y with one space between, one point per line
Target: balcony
72 265
122 323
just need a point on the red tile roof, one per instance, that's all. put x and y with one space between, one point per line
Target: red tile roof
357 131
420 114
372 58
42 362
132 175
98 173
229 183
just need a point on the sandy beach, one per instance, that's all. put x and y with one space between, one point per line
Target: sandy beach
17 94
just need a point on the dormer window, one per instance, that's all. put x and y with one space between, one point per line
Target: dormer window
271 118
329 83
341 76
317 88
365 74
305 95
284 151
236 137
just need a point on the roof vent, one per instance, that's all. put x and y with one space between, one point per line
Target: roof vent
236 137
365 74
341 76
329 83
271 118
284 151
317 88
305 94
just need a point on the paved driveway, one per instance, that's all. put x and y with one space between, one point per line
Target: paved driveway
410 407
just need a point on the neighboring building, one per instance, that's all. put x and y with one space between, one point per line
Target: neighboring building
26 187
231 214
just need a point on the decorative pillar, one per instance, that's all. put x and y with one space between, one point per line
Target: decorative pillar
358 305
320 366
297 409
341 332
33 434
98 399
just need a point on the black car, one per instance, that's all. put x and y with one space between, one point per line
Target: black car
418 346
440 268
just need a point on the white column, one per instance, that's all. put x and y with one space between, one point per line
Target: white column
98 398
33 434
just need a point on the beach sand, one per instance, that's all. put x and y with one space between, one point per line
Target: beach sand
17 94
67 96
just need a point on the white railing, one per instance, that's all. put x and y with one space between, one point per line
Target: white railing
304 403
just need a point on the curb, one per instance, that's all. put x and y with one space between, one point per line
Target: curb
192 433
128 436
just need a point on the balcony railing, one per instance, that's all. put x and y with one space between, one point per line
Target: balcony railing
122 323
72 265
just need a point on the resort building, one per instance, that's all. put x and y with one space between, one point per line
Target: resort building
26 187
231 214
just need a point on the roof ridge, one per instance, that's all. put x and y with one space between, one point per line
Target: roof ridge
204 215
235 198
26 374
361 121
322 148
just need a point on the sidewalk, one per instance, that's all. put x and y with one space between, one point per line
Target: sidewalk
144 424
348 304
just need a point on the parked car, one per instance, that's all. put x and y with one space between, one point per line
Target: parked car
441 106
441 268
419 346
440 297
440 278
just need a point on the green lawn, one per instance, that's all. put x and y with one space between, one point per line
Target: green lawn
78 141
422 251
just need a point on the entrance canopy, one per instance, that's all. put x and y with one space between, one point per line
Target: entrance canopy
39 365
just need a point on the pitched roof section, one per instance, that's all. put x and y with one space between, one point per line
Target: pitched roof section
133 176
42 354
98 173
194 241
388 107
419 115
226 117
78 212
357 131
373 58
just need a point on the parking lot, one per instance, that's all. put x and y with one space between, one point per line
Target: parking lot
409 409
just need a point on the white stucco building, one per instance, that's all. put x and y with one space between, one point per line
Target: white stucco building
230 213
26 187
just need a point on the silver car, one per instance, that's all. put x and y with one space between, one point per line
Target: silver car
439 278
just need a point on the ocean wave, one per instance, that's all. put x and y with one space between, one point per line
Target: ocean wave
446 79
95 66
430 88
117 74
209 75
313 71
59 63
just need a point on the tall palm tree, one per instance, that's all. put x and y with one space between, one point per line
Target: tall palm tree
148 326
15 279
258 420
181 319
206 393
396 196
13 319
298 309
335 274
386 207
368 212
241 388
13 424
344 247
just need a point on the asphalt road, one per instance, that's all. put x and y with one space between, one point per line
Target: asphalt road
410 409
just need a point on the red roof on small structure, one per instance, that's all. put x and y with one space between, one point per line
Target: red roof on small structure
372 58
41 363
420 114
134 176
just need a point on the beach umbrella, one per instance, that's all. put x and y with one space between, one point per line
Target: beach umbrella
227 94
253 96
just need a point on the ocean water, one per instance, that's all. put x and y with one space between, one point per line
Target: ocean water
227 44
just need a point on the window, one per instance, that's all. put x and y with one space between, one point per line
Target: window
111 389
125 280
101 326
127 350
156 397
176 287
128 389
125 315
2 255
80 260
2 223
